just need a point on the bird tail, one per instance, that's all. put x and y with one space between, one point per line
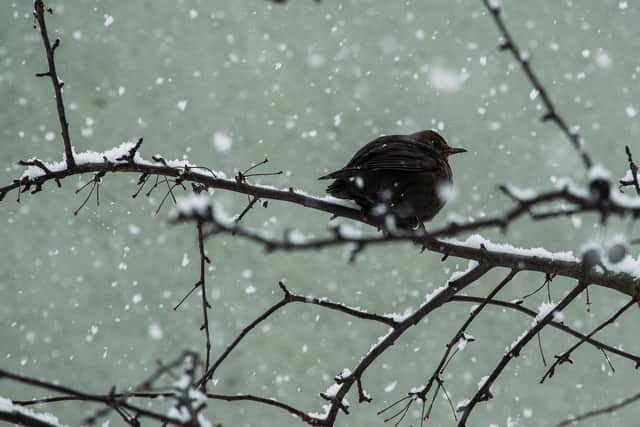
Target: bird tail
331 175
341 174
339 189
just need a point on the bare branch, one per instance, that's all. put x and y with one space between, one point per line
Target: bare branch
524 61
484 392
601 411
633 168
39 10
566 356
108 400
422 393
287 298
558 325
437 299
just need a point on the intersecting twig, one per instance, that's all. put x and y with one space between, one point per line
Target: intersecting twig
457 341
484 391
566 356
435 300
109 400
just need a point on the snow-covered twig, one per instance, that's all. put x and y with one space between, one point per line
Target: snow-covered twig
484 391
455 344
436 299
110 400
475 247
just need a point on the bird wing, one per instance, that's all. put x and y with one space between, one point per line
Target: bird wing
393 152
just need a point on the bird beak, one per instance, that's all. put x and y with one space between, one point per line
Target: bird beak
453 150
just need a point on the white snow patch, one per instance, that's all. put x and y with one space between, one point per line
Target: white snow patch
598 172
482 381
603 59
155 331
198 204
546 308
333 390
446 79
8 407
87 157
458 274
185 260
631 111
463 341
221 142
296 237
523 194
460 406
390 387
476 241
348 231
316 60
320 415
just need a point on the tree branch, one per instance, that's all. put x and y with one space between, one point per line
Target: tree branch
566 356
484 392
439 297
558 325
39 10
523 59
601 411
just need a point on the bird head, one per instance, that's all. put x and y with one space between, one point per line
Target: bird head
434 139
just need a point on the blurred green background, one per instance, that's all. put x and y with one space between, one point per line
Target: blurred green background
87 300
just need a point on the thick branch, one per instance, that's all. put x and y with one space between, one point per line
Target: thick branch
622 282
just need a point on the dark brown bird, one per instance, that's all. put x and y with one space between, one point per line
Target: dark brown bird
405 175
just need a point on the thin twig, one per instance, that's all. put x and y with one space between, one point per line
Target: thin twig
601 411
484 392
523 59
39 10
558 325
205 303
566 356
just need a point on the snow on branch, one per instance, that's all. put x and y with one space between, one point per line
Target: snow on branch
20 415
611 266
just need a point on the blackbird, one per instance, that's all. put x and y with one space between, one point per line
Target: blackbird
404 175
